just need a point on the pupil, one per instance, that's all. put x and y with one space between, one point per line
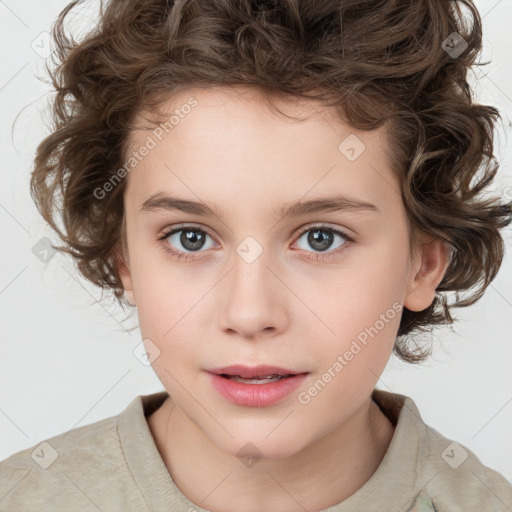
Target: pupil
320 239
192 240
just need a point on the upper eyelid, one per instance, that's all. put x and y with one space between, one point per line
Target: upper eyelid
178 228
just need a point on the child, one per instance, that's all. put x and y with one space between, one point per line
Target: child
285 190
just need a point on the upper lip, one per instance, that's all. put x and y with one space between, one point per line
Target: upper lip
248 372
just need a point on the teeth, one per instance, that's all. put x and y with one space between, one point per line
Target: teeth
255 380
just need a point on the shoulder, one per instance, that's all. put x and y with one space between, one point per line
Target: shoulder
431 470
87 441
455 478
71 471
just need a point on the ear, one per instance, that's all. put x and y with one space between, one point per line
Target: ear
428 269
123 268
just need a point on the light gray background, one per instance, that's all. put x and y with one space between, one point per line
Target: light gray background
67 362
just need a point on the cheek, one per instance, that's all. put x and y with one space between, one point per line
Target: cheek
360 307
351 360
168 317
362 287
163 297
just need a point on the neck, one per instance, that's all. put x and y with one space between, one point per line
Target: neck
335 466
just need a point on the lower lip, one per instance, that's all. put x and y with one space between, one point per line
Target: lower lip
256 395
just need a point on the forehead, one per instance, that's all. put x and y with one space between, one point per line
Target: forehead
243 98
199 112
230 136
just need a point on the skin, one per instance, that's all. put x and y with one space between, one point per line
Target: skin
285 308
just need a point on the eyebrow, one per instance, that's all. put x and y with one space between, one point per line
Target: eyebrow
160 201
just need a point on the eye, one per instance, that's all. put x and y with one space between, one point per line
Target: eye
182 242
187 239
322 238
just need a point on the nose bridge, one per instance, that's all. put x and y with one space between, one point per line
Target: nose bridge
252 301
251 275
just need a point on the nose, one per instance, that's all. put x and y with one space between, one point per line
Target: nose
252 298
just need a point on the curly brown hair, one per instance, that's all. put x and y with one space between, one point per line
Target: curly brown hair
400 62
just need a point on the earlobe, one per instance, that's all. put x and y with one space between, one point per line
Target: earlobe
126 278
426 274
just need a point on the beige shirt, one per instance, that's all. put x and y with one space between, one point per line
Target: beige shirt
114 465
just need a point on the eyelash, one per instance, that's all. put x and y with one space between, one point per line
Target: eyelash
179 255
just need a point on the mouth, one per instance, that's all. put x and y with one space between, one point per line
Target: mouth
262 374
256 380
257 386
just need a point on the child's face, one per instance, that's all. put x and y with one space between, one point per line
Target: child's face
227 304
